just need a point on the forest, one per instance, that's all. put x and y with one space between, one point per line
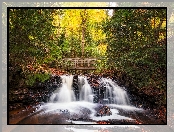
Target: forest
129 45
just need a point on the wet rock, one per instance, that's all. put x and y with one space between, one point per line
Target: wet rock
104 111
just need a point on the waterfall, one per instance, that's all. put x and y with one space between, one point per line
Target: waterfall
78 102
109 91
113 92
65 92
86 93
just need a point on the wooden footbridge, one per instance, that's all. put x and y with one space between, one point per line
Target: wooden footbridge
80 63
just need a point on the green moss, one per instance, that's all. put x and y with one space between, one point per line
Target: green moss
32 78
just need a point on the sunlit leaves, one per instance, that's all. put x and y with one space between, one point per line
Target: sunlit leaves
102 49
77 25
156 21
30 37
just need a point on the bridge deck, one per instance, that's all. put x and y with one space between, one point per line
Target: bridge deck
82 68
80 64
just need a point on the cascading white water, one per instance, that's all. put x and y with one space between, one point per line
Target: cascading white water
83 108
114 92
65 93
85 90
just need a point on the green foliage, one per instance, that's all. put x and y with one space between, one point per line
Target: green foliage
31 36
135 45
38 77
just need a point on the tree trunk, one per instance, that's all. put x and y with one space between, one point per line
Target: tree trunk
83 30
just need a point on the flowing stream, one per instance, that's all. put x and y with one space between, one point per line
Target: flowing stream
67 107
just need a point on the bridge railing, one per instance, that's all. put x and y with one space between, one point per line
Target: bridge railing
79 63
